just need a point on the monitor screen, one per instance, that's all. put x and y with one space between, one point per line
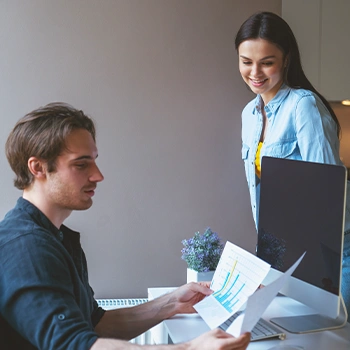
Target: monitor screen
302 209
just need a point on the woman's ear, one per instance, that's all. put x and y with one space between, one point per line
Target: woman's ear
37 167
286 61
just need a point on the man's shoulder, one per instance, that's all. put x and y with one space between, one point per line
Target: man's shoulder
19 225
25 243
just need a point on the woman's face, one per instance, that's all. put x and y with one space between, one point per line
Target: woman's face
261 64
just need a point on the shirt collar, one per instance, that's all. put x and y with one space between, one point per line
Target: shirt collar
274 103
39 217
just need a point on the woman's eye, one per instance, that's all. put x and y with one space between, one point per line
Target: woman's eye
246 62
268 63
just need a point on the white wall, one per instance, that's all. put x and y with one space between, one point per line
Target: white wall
160 78
322 29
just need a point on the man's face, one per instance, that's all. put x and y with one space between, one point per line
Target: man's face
71 186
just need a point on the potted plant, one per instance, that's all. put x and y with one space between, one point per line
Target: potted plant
202 253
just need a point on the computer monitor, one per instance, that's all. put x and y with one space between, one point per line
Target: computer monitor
302 208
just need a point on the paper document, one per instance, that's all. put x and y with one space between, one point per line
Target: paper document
258 302
237 276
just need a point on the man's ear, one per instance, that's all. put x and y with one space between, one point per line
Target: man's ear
37 167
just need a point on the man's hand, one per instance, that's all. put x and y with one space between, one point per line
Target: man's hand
219 340
215 339
188 295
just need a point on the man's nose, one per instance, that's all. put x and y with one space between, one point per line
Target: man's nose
96 175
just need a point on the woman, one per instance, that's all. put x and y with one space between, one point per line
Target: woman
288 118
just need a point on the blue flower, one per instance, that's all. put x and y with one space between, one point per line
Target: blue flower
202 252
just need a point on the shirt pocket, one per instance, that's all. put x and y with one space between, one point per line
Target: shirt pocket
286 149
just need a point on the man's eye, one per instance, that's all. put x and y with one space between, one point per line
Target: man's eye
80 165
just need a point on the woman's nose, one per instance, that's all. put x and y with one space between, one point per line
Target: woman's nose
255 70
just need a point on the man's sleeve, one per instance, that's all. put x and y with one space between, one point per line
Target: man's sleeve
97 313
37 297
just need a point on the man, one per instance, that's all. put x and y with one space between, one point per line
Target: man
46 301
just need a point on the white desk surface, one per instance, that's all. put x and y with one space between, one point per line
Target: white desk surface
181 328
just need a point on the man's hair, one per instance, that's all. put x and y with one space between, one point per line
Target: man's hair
42 134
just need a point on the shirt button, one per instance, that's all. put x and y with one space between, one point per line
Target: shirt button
60 234
61 317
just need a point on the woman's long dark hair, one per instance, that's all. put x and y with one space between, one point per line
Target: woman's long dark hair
271 27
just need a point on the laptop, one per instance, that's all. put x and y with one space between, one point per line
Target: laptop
262 330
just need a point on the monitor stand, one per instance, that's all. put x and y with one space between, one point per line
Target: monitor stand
312 323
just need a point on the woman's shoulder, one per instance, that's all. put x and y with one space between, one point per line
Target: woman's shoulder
302 98
300 93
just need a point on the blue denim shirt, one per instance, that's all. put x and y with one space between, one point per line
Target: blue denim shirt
46 301
299 127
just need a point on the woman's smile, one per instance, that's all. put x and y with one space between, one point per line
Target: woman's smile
261 64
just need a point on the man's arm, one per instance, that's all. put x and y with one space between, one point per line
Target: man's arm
215 339
128 323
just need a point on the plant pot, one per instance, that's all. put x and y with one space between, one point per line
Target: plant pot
195 276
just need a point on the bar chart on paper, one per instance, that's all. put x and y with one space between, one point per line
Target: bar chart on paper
237 276
230 293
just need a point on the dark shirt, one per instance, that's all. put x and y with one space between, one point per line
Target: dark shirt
46 301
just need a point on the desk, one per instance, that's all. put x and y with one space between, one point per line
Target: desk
181 328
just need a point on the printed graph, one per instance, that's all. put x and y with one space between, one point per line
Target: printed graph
228 295
237 276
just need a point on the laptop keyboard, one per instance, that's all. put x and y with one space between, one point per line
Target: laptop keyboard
262 329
